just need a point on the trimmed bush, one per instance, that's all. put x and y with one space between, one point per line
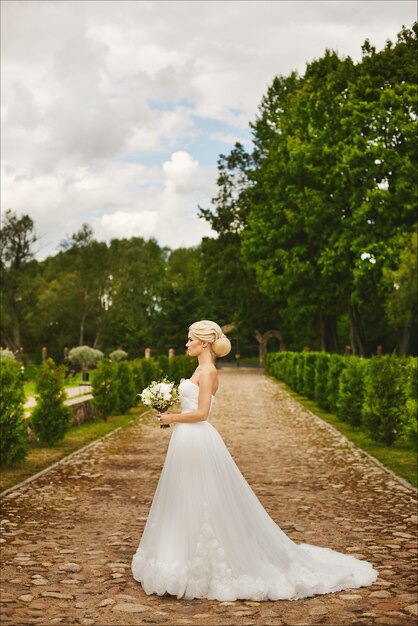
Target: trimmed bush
6 355
51 418
300 373
105 390
292 375
385 399
351 391
149 370
138 376
337 364
84 356
118 355
309 375
126 387
410 428
163 366
321 380
13 437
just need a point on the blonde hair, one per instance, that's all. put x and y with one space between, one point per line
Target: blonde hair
205 330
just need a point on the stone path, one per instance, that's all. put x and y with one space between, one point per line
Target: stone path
68 537
71 392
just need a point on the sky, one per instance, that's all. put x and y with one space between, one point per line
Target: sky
114 113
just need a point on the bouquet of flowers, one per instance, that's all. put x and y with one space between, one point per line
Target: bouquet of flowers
160 395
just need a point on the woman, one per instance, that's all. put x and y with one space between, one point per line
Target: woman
207 535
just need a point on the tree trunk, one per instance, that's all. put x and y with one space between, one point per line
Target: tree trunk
15 330
81 341
262 341
328 330
357 339
405 340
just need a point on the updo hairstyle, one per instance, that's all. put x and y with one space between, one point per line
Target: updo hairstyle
211 332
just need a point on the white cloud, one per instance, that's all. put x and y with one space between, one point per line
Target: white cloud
94 91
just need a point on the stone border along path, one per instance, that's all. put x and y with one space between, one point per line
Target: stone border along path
68 537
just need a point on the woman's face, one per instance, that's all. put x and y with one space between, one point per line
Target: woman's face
194 345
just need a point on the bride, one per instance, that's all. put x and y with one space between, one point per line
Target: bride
207 535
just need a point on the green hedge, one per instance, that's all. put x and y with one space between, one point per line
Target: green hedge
50 418
115 386
378 395
13 433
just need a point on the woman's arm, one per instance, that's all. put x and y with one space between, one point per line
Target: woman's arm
206 380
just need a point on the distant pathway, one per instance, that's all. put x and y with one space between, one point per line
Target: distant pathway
74 395
68 537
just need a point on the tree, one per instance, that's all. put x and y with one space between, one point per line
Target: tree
232 296
13 436
333 191
17 237
401 303
51 418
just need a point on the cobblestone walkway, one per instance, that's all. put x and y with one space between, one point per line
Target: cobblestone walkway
69 536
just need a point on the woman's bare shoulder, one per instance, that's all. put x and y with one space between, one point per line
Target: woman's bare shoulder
208 373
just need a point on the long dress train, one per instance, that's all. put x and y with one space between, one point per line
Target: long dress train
208 536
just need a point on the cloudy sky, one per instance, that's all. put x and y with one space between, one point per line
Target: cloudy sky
114 112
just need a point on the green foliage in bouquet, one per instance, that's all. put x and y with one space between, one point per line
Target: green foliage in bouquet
105 389
126 387
351 391
385 399
51 418
13 437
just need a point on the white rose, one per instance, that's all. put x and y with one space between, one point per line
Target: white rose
165 390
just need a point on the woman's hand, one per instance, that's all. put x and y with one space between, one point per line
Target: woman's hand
166 418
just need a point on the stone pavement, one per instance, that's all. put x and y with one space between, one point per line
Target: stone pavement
68 537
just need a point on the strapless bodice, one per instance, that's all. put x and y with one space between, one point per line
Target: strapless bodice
189 395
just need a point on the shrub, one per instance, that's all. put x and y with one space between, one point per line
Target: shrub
384 398
13 437
411 383
163 366
84 356
351 390
292 375
149 370
105 390
309 375
300 373
51 418
126 387
118 355
321 380
336 365
138 376
6 355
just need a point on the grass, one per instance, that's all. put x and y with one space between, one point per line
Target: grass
400 458
39 456
30 386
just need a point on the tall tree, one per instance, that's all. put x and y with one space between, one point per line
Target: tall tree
17 237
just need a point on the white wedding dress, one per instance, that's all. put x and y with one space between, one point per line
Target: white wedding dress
208 536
